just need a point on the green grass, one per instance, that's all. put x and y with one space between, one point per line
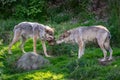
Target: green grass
62 66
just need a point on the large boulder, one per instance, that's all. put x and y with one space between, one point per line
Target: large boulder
31 61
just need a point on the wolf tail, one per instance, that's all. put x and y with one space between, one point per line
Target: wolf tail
109 35
107 42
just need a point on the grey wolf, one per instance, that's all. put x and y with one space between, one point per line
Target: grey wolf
35 31
82 35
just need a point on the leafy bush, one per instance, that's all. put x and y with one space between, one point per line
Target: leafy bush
61 18
79 69
114 20
34 9
7 8
111 76
20 12
6 29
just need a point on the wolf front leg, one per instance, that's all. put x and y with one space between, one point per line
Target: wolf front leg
81 49
59 41
34 43
44 49
22 44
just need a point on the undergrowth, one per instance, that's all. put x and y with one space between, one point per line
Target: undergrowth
62 65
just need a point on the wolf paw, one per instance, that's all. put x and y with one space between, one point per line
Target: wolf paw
110 59
102 60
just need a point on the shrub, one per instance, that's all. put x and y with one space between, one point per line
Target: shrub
82 69
61 18
6 29
115 76
114 19
7 8
31 9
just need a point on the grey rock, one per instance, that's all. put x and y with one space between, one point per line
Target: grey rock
31 60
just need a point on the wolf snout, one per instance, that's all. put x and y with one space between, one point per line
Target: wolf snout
50 38
58 42
52 41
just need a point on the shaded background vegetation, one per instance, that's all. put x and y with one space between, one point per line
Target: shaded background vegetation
93 12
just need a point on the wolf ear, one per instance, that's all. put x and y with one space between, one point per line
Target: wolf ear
46 30
67 33
53 29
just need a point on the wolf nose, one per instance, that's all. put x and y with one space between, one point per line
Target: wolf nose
51 38
58 42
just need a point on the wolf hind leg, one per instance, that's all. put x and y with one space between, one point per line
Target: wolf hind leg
17 34
100 41
108 48
22 43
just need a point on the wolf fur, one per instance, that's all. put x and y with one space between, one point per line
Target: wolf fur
82 35
33 30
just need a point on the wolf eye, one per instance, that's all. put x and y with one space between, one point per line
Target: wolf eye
50 34
63 36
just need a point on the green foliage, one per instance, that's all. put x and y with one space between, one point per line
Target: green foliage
33 9
21 12
61 67
8 25
76 6
114 76
90 69
61 18
36 8
6 29
64 11
82 69
114 20
6 8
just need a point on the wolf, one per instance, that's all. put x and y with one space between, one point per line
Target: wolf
25 30
83 35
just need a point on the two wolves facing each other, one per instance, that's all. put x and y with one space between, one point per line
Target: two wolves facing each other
80 35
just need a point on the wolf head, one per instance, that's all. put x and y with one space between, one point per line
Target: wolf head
64 37
50 35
